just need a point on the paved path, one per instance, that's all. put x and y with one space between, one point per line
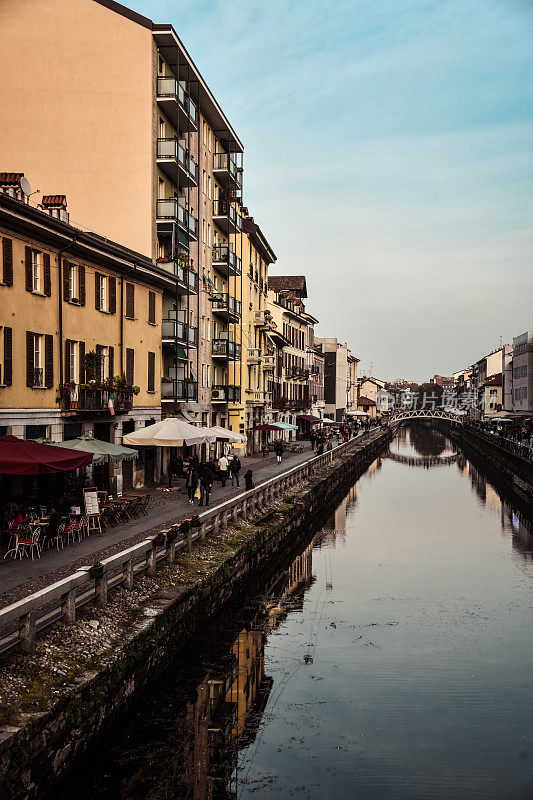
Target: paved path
19 578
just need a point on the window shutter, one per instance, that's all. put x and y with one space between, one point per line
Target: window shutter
151 372
151 307
112 295
97 302
7 261
111 363
8 356
66 280
29 272
82 285
82 361
99 362
130 366
47 275
48 361
29 358
68 376
130 300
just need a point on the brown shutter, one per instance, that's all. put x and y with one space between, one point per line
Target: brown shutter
112 295
130 300
7 261
99 362
97 302
151 307
29 358
68 376
66 280
130 366
48 361
29 271
47 275
82 285
8 356
151 372
111 363
82 361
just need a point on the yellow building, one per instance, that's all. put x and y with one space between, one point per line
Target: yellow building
80 329
253 367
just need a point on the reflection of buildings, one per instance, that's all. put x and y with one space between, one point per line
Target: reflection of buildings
335 527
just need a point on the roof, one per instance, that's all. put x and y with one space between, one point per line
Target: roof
10 178
258 239
365 401
494 380
288 283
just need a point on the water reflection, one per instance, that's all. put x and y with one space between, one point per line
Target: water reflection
389 661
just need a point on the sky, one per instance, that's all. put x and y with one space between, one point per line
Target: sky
389 158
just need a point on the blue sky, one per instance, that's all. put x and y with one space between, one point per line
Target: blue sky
389 158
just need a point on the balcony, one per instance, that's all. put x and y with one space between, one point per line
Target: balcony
226 217
225 349
268 363
225 394
226 170
173 210
226 307
258 398
187 278
176 332
178 389
174 100
225 261
297 374
76 397
176 163
254 356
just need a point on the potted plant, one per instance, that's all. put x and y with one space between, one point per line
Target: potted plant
195 521
135 389
92 363
185 526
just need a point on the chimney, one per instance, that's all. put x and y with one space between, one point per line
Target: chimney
56 206
10 184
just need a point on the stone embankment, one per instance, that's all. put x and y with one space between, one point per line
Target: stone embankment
56 698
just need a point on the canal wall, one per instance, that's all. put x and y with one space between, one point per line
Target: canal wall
59 718
508 470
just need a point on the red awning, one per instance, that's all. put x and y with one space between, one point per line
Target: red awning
266 427
308 418
21 457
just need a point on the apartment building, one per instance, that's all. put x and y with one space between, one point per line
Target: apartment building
517 365
254 350
147 158
80 330
351 386
291 393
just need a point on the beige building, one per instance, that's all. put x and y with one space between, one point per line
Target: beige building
340 379
129 131
80 330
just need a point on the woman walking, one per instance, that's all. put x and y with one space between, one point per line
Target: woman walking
191 482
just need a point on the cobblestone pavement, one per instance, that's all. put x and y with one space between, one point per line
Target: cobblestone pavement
20 578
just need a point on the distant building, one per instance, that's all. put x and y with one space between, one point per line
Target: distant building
367 405
336 371
447 383
518 374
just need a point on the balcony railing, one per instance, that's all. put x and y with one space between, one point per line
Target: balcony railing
226 170
225 348
225 260
226 305
225 216
268 362
262 319
177 330
76 397
187 277
173 156
178 389
225 394
254 355
173 96
38 377
173 209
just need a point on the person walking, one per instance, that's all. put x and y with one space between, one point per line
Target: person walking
223 465
191 481
205 485
278 449
235 469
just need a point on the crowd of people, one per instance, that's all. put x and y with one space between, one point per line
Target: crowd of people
201 476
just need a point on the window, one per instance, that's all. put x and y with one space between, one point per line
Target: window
104 358
160 65
203 231
130 366
37 271
209 187
209 239
39 360
38 376
105 293
204 181
73 282
73 360
161 189
38 276
208 375
161 128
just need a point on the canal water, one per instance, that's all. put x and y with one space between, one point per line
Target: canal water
391 661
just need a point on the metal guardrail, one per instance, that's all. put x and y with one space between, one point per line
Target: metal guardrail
517 449
21 621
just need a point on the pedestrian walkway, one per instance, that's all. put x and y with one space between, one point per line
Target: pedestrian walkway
18 578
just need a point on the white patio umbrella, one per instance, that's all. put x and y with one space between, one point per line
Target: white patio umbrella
170 432
224 433
328 421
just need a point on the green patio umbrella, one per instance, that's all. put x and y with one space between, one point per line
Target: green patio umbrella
102 451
